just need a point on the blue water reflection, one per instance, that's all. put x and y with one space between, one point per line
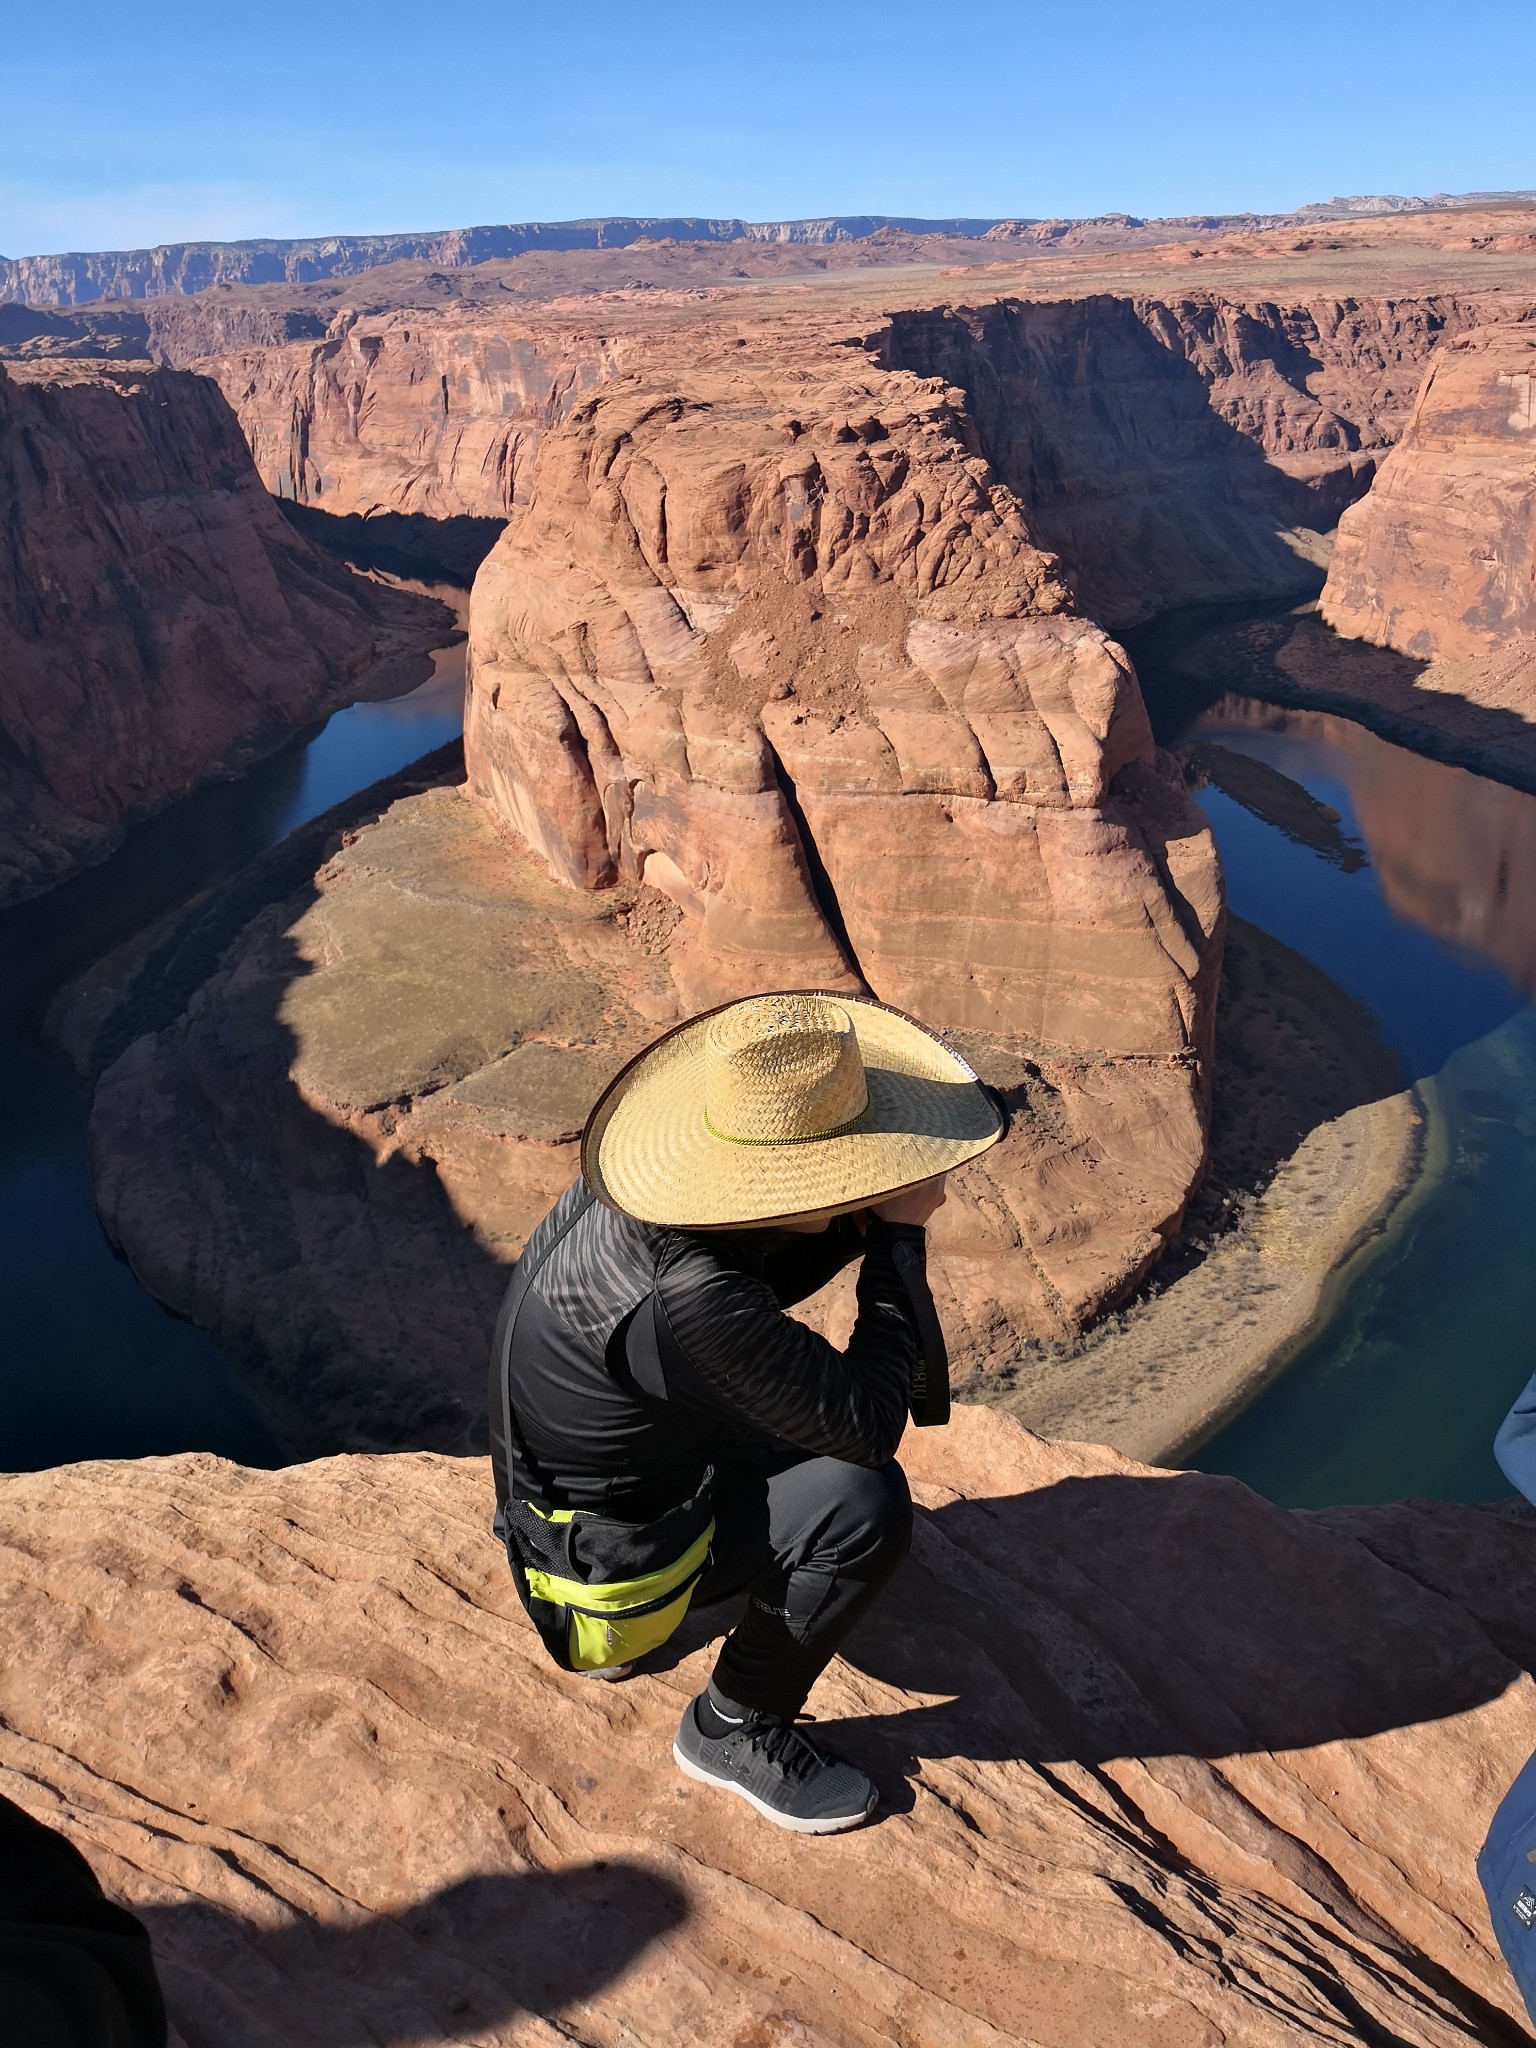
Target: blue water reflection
1435 1331
90 1364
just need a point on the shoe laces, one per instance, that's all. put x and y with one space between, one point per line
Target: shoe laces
783 1744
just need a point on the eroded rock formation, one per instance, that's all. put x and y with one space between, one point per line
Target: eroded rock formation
1172 450
407 412
159 619
783 646
777 642
1186 450
1440 561
1160 1764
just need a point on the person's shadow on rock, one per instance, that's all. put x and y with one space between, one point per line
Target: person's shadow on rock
457 1964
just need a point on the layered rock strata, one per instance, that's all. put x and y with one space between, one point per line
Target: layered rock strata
807 672
1440 561
408 412
1188 450
1159 1762
181 268
1172 451
159 619
780 645
1476 221
188 267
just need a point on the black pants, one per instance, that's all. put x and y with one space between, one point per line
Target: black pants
812 1541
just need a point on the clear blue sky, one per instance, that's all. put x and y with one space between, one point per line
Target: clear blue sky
127 125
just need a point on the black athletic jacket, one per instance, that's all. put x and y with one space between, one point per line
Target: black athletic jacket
626 1352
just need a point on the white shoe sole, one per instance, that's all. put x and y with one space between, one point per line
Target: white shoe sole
837 1825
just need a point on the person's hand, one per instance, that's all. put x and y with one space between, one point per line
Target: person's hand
912 1205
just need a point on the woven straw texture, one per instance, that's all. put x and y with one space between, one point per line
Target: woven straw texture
783 1105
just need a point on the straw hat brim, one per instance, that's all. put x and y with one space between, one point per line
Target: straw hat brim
648 1151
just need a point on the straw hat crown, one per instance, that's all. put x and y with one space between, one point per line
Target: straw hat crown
782 1069
794 1104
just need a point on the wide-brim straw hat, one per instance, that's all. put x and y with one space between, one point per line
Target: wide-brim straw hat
780 1106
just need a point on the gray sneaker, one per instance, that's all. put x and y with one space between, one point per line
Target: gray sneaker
779 1770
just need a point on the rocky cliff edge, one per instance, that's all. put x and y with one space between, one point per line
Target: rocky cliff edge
1438 562
1160 1763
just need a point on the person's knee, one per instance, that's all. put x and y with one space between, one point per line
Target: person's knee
878 1504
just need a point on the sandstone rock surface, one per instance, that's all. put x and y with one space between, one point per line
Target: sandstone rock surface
779 644
1173 449
159 619
785 648
1160 1763
1184 450
328 1144
1439 561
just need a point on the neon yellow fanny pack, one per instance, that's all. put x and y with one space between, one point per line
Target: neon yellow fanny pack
618 1620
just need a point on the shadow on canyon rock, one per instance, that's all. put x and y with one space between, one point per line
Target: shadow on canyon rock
1094 414
338 1198
472 1956
1189 659
343 1284
406 544
1131 1633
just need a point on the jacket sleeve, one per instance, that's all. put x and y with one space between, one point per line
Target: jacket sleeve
807 1261
727 1350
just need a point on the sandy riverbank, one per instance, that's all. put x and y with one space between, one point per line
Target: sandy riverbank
1315 1141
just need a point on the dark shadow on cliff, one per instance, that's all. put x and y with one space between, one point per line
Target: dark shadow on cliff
1190 657
468 1959
1293 1051
351 1293
1123 1615
408 544
347 1291
1108 435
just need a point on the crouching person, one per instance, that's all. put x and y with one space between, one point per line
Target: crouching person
663 1433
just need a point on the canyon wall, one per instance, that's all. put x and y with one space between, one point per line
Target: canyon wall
406 412
1161 1766
1183 451
185 267
806 671
182 268
1440 560
1171 451
771 686
159 619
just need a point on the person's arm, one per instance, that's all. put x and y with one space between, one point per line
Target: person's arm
807 1260
725 1348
